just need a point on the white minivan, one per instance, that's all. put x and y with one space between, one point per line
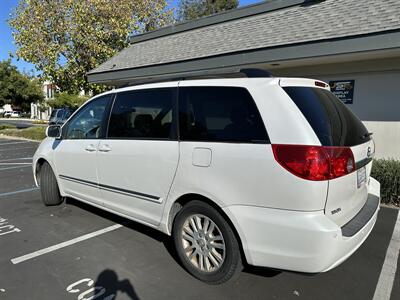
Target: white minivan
272 172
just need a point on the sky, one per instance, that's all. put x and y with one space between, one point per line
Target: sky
6 39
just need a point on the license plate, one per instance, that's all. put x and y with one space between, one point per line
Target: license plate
361 177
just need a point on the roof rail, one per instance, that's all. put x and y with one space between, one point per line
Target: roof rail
210 74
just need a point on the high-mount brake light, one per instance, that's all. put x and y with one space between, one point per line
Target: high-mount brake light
321 84
315 162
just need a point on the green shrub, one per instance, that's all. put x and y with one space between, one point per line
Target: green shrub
33 133
67 100
387 172
6 126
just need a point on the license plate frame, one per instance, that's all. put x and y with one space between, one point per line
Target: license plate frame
361 177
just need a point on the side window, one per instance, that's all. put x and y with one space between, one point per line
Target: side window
143 114
86 124
219 114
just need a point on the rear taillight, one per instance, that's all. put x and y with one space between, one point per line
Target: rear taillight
315 162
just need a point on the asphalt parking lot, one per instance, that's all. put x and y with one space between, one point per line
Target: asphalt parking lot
75 251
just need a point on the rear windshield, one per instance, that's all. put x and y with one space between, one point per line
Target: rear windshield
332 121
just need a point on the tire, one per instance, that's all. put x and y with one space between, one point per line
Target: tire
217 243
49 187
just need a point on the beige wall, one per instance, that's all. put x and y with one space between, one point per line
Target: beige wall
387 138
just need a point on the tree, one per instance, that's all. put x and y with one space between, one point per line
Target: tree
65 39
16 88
193 9
67 100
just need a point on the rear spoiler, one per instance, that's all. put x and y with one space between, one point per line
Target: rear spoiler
303 82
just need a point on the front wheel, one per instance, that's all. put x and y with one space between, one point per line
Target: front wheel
49 187
206 244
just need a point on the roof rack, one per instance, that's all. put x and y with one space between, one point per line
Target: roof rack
210 74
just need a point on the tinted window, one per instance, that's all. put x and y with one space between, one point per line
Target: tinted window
86 124
223 114
142 114
53 113
332 121
67 114
60 113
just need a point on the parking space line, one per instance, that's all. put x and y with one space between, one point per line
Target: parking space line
22 148
384 287
29 256
12 164
16 167
10 159
14 143
19 191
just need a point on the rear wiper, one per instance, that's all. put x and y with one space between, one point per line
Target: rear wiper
367 135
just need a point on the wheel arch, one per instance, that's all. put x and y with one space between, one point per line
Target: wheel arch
178 204
39 163
38 167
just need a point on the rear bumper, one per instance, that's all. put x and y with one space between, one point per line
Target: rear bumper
301 241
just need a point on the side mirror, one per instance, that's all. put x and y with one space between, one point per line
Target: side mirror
54 131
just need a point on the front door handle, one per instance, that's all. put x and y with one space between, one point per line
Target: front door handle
105 148
90 148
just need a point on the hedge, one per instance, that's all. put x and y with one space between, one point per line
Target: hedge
34 133
387 172
6 126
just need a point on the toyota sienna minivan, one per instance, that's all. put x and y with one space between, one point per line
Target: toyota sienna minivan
272 172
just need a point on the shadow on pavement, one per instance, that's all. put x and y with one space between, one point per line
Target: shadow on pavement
108 280
159 236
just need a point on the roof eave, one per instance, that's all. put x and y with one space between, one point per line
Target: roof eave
355 44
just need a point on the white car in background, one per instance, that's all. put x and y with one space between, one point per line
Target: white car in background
7 114
15 114
274 172
12 114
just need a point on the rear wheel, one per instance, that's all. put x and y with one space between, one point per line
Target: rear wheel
206 244
49 187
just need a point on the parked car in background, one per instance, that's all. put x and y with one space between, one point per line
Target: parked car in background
60 115
274 172
15 114
12 114
7 114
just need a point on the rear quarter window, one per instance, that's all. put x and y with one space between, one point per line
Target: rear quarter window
332 121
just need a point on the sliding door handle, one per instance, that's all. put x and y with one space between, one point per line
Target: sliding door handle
90 148
105 148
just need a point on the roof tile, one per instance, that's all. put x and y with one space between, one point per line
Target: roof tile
325 20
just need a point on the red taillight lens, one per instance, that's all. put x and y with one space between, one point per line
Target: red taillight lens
315 162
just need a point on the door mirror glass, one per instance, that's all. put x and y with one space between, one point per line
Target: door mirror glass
54 131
